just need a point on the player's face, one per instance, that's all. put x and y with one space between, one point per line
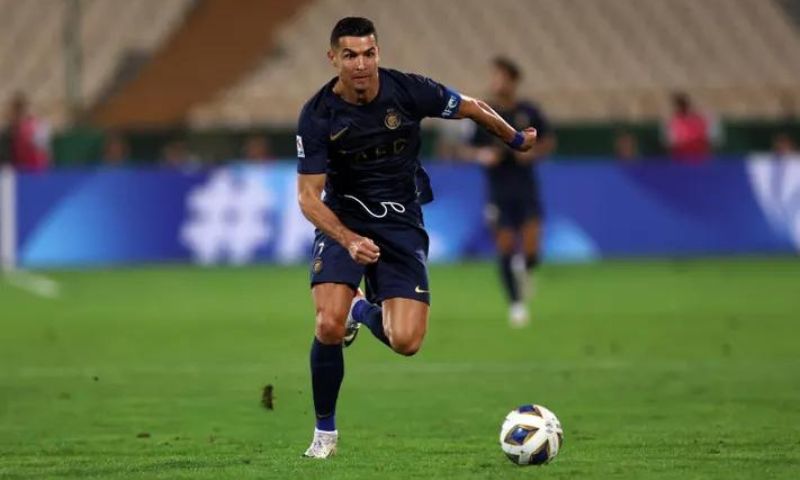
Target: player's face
501 84
356 59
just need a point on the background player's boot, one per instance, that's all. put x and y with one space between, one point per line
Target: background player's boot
518 316
323 445
351 326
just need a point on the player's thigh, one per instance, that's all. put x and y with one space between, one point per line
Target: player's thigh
334 277
531 235
507 220
505 239
401 271
332 264
405 322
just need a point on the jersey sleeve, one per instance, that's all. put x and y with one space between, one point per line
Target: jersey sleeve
432 99
312 143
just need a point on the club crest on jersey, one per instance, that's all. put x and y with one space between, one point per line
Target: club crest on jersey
392 120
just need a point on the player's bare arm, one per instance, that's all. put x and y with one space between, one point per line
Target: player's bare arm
309 187
481 113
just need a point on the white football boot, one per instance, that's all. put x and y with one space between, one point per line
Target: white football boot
323 446
518 315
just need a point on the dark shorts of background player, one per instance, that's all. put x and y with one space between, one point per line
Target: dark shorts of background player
513 212
400 272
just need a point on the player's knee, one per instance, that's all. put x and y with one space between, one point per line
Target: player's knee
330 326
505 243
407 345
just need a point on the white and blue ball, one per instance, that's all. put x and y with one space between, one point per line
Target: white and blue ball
531 435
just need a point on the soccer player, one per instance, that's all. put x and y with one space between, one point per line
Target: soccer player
514 210
361 184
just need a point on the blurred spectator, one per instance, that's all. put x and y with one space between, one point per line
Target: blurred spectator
115 151
176 155
688 133
784 146
28 137
626 147
257 149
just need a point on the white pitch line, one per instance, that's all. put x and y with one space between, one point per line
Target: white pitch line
38 285
8 218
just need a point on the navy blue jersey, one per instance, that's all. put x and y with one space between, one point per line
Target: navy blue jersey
509 178
370 152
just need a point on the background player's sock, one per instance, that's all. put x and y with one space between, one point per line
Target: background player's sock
372 316
531 263
509 280
327 372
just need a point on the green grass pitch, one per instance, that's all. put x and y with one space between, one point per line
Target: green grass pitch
657 369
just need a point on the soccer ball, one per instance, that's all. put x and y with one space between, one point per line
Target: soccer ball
531 435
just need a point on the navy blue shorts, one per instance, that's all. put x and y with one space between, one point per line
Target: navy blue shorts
513 212
400 272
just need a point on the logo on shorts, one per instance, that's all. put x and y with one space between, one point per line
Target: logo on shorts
392 119
317 267
301 153
419 290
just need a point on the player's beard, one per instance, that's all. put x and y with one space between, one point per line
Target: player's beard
362 86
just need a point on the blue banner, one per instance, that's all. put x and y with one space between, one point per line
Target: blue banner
243 214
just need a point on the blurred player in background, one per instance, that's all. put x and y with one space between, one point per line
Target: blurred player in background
514 211
358 144
28 137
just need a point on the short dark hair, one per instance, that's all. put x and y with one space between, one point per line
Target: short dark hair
681 101
509 66
352 27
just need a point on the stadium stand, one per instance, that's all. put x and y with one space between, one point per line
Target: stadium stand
32 51
738 58
219 43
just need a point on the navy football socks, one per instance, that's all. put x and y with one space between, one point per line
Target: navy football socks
371 316
507 276
327 372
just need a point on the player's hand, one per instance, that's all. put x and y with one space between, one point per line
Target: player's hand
530 139
363 250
